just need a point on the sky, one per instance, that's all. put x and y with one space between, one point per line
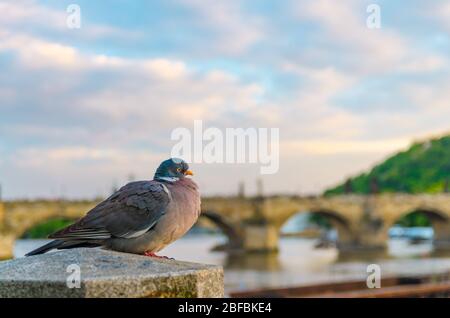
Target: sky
84 110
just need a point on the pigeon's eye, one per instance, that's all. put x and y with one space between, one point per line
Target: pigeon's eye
178 169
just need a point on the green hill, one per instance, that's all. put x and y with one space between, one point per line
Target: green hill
423 168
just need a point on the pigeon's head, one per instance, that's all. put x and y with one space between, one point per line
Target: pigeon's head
172 169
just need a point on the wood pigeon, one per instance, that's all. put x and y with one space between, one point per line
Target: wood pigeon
142 217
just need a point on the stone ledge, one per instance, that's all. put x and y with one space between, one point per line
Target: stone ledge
108 274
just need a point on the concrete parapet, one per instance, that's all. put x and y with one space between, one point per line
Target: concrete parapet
93 272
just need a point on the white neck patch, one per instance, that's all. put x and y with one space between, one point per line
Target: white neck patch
169 179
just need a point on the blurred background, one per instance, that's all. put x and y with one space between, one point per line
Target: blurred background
363 112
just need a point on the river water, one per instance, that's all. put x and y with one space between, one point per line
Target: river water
297 263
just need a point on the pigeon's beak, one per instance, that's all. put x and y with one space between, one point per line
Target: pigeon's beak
188 173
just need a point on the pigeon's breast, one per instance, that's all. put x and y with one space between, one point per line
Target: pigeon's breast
182 212
186 198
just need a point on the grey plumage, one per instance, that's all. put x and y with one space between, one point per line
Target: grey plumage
135 207
142 216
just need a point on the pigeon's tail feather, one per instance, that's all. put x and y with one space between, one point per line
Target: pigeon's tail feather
60 244
74 244
45 248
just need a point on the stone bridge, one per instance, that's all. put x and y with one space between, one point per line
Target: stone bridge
253 224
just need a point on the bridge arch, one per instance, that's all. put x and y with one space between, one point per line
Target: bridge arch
235 240
439 220
336 220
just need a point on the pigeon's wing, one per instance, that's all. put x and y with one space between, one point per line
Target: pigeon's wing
128 213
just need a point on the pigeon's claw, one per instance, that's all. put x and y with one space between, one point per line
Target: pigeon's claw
151 254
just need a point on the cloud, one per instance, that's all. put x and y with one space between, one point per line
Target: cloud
33 18
36 53
311 111
441 12
80 172
345 26
328 147
363 50
235 31
22 12
427 64
87 107
41 157
102 115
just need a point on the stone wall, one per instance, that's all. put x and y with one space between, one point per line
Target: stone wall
93 272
